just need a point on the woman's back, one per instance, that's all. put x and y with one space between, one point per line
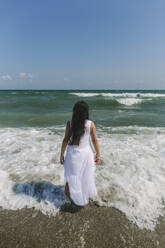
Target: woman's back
85 138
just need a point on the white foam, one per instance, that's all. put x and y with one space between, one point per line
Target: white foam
125 100
133 95
126 94
131 176
28 155
84 94
129 101
134 130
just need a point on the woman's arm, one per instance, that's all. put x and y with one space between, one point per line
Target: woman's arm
65 142
95 142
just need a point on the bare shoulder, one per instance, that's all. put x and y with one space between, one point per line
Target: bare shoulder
92 124
92 127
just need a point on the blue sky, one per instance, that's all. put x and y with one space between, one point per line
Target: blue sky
82 44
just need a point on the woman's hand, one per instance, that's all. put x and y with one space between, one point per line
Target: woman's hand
61 159
97 159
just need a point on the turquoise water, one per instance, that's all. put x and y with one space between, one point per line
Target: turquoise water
41 108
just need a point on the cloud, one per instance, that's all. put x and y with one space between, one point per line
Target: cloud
24 75
5 77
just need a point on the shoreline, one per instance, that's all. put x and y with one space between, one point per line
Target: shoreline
87 227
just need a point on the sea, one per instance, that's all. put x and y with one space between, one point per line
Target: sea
130 127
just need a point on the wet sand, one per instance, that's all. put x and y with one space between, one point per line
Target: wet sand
89 227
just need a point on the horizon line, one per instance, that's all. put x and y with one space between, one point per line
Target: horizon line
82 89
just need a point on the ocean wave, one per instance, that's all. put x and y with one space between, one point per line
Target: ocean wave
117 101
131 176
131 95
132 129
137 94
133 184
54 104
85 94
129 101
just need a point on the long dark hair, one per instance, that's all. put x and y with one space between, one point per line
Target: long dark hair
80 114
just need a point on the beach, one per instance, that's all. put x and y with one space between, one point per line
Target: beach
88 227
130 178
105 55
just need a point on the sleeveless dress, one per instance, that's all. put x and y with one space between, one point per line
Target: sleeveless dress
79 168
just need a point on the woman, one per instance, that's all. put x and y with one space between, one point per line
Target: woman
79 162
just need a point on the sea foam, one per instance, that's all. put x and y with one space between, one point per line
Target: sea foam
127 98
124 94
129 101
130 177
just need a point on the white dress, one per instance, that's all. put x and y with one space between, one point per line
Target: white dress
79 168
